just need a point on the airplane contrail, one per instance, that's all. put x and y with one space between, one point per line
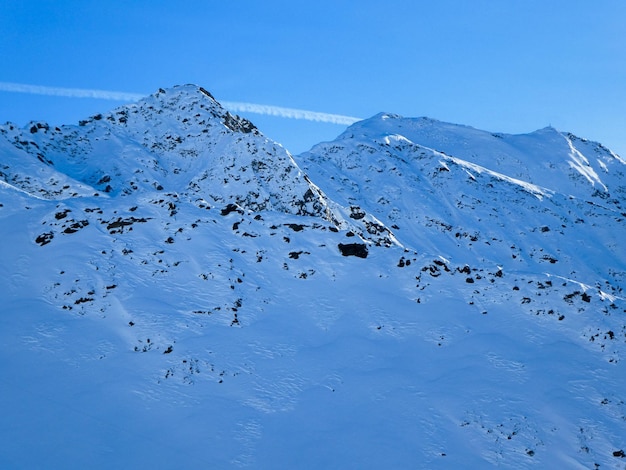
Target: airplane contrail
267 110
69 92
290 113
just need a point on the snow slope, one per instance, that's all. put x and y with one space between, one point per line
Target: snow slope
179 291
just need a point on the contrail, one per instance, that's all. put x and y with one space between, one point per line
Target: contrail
289 113
69 92
267 110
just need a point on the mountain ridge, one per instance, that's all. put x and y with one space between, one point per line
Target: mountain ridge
411 294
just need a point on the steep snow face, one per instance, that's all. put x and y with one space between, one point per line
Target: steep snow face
178 292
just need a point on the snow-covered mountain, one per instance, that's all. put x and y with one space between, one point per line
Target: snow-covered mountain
179 291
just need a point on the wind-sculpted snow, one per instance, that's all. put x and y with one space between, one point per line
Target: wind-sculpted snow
179 292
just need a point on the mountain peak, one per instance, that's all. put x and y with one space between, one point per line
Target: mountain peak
180 141
186 106
547 158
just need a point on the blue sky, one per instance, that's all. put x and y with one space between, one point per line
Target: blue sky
507 66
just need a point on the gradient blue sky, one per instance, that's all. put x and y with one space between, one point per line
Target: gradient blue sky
500 65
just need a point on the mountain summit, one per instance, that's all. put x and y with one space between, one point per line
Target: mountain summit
180 291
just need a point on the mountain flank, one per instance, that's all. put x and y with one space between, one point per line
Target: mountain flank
181 290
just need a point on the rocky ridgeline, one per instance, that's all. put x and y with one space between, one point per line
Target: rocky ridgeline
179 142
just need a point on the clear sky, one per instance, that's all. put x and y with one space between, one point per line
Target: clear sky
501 65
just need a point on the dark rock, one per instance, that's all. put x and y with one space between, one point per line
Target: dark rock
230 208
356 213
353 249
44 238
76 226
464 270
296 227
202 90
121 223
239 124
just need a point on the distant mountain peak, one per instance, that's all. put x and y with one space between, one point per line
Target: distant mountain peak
548 158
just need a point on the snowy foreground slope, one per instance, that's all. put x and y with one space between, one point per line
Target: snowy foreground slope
178 291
